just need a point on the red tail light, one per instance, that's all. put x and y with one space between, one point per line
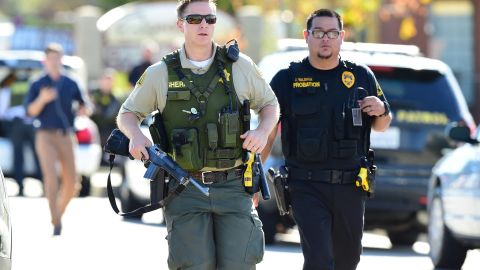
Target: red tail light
423 200
382 69
84 136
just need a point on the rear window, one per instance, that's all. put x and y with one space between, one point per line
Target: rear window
417 90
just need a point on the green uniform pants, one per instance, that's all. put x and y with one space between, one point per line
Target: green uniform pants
221 231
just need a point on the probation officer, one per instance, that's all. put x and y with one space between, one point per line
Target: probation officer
199 91
326 118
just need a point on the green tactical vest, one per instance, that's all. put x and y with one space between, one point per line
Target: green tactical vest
202 121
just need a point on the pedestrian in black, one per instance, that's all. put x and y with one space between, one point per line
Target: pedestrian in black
106 105
15 125
138 70
328 107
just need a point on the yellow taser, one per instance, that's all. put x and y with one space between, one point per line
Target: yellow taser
247 175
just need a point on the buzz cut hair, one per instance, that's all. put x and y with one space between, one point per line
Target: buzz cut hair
183 4
324 13
53 48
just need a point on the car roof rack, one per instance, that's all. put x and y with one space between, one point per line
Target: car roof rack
295 44
411 50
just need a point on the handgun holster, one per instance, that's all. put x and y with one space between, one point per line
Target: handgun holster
282 195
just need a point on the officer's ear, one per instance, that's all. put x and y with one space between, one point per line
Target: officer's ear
180 25
305 34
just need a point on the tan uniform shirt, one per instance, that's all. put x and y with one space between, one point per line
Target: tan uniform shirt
150 92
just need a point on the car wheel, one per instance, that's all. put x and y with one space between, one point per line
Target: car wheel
445 251
406 237
85 186
129 202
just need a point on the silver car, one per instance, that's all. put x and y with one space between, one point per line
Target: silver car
454 201
5 228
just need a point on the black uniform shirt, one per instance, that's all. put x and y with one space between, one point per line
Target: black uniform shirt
316 114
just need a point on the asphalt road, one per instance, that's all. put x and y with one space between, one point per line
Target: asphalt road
95 238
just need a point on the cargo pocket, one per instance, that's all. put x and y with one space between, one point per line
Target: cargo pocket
312 145
256 243
173 249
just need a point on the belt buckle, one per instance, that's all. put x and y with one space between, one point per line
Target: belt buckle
204 181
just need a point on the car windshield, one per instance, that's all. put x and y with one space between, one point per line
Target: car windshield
417 90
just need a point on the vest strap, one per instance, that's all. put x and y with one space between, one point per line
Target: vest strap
200 96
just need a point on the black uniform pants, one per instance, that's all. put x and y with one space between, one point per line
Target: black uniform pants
330 222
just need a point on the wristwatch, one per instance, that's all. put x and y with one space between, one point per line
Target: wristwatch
387 109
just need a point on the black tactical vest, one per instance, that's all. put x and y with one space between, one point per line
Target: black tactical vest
317 122
202 115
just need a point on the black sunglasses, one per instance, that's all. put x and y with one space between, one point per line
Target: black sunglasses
197 18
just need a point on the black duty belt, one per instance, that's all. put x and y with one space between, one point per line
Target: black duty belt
328 176
217 176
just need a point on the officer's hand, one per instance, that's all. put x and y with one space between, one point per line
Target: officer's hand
254 140
138 146
47 94
372 105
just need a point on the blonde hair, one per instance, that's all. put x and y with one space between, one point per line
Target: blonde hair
54 48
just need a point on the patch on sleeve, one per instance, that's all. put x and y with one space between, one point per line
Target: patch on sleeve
379 91
142 78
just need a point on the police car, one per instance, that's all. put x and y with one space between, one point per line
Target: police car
424 97
454 201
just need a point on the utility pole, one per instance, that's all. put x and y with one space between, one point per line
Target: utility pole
476 41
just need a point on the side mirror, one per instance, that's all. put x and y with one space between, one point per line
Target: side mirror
459 133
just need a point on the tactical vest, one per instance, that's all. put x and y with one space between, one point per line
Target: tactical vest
317 125
202 115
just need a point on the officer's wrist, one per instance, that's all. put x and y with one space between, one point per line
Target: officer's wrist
386 108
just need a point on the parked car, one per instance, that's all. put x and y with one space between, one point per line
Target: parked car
454 201
27 65
424 97
5 227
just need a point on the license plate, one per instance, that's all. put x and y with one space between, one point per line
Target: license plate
389 139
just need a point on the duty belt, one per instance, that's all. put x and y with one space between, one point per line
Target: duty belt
217 176
328 176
